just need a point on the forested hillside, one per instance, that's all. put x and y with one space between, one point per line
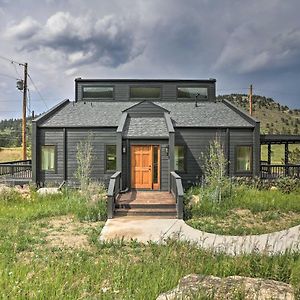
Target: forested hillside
274 117
11 132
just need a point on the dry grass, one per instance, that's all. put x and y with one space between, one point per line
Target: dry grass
243 221
10 154
67 232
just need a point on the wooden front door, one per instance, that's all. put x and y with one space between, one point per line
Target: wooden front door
142 167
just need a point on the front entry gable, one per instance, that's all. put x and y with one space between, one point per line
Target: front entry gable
146 107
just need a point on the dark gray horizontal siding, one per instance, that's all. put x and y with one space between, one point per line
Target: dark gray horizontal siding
168 89
99 138
53 137
196 142
238 137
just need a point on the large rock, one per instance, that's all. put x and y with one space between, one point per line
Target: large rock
232 287
49 191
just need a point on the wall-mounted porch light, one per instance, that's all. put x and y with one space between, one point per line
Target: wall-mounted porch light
167 150
124 149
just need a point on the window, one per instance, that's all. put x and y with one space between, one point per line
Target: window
243 159
144 92
111 157
96 92
48 158
192 92
179 158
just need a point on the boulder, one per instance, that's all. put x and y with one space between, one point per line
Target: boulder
232 287
49 190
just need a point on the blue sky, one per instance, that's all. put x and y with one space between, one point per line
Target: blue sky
236 42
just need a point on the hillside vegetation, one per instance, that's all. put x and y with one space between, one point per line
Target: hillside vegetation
274 117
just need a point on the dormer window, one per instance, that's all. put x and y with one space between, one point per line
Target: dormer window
141 92
97 92
192 93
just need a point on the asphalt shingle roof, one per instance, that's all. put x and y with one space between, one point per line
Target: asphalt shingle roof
183 114
145 126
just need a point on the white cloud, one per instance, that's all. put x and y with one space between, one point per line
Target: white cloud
27 28
81 40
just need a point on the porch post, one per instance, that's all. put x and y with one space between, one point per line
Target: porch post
286 158
269 153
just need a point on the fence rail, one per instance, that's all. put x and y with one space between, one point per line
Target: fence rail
20 169
275 171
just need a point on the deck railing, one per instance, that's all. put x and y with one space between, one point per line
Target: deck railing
274 171
20 169
177 192
114 189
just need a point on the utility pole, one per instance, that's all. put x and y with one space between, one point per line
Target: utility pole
250 99
24 154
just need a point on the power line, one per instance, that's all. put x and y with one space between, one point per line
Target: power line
11 60
38 91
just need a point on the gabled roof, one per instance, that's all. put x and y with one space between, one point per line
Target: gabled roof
183 114
145 127
145 106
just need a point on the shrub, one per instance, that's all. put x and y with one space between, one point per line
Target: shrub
217 184
84 162
287 184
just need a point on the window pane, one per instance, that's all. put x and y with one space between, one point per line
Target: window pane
155 164
97 92
243 158
179 158
111 157
192 92
144 92
48 158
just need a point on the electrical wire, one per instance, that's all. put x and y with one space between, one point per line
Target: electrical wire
11 60
42 98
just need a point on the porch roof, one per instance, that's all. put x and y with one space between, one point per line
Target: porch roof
145 127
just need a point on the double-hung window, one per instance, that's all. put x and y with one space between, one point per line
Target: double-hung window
48 162
179 157
243 159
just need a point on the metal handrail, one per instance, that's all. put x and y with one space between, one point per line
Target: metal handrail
177 192
114 188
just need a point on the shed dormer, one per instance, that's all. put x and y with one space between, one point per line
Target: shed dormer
157 90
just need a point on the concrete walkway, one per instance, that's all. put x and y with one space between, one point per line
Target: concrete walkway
158 230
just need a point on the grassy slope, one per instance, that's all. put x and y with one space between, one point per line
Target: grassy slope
246 211
274 117
10 154
29 268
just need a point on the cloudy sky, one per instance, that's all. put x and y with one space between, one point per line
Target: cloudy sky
237 42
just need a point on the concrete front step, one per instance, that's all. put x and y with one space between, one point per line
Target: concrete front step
146 205
158 212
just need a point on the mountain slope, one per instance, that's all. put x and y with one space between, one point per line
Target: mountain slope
274 117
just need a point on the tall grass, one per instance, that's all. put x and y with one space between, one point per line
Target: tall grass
31 270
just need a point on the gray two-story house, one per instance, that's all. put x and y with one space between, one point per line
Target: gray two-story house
144 129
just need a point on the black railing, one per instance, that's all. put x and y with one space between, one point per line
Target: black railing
114 189
177 192
20 169
275 171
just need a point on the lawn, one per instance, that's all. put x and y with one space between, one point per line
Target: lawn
277 154
246 211
10 154
49 250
